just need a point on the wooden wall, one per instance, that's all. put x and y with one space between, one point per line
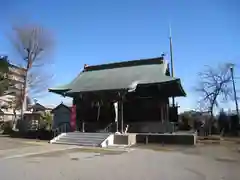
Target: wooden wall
135 110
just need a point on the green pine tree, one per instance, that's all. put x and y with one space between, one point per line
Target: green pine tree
4 82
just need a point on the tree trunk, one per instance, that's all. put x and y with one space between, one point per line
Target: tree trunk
23 108
210 123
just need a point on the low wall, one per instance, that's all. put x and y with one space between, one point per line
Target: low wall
167 138
124 139
180 139
151 127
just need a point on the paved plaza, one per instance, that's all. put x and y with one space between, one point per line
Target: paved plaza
29 160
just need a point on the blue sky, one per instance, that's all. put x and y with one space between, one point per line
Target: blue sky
94 32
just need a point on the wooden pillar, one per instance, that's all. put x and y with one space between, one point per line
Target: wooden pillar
120 113
116 109
162 115
120 116
161 110
79 112
122 126
167 112
73 120
76 101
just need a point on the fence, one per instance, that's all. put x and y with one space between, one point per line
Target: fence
6 116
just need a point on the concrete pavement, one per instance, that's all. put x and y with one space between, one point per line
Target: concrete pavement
200 163
139 164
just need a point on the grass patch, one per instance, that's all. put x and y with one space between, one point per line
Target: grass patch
37 142
156 147
209 142
164 148
100 151
230 160
214 138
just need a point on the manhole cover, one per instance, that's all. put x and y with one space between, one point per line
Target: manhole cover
74 159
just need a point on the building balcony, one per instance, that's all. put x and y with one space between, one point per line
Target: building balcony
15 78
17 70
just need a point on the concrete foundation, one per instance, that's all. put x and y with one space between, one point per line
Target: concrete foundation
166 138
124 139
180 139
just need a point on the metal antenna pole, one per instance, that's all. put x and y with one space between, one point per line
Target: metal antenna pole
171 56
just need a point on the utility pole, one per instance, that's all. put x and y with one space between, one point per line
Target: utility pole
171 58
234 89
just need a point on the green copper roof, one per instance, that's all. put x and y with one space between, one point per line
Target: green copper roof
119 76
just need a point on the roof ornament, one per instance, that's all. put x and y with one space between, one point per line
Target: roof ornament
80 96
163 55
132 87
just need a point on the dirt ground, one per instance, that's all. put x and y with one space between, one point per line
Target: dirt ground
7 142
213 161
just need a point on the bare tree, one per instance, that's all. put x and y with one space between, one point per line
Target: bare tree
33 43
214 86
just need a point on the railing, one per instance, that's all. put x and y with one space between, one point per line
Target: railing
2 127
126 128
173 127
63 128
151 127
108 128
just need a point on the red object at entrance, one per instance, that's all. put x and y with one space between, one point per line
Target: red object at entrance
73 118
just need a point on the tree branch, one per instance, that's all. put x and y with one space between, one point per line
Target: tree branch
32 43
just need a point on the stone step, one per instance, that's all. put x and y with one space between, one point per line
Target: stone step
78 144
89 135
78 132
82 139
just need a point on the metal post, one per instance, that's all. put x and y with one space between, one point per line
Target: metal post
167 112
116 108
234 91
146 139
171 56
161 112
83 128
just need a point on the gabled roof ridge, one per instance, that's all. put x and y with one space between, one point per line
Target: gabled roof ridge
147 61
62 104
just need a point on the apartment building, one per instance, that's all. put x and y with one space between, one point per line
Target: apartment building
16 76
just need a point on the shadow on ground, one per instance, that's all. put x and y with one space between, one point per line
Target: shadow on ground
7 142
89 151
